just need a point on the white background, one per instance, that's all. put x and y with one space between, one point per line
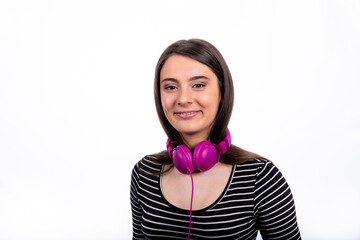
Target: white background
77 111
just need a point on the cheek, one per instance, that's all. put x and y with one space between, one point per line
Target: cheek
211 101
167 102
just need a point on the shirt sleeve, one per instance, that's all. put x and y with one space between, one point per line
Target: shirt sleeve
274 205
136 208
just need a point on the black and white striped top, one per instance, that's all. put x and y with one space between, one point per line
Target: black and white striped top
257 197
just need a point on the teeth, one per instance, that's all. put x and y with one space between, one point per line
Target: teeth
188 113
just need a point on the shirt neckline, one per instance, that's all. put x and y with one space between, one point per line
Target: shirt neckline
175 208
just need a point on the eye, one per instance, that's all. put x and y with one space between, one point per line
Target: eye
169 87
198 85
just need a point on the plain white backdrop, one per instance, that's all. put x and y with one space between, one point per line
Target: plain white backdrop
77 109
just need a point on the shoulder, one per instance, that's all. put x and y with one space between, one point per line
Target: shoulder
268 181
149 164
145 173
257 167
257 164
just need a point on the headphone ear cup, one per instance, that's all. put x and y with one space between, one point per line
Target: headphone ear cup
169 148
182 159
205 156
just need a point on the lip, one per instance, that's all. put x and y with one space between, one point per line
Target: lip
186 114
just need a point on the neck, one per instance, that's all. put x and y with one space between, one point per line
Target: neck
191 140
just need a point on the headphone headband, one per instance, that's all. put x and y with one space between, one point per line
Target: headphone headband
225 144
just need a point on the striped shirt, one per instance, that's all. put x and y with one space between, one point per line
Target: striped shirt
256 198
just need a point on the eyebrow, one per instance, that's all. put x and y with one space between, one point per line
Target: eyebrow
191 79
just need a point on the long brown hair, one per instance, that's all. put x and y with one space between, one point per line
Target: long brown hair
205 53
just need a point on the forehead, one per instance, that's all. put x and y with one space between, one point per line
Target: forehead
178 66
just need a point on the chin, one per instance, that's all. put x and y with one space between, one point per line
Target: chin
192 128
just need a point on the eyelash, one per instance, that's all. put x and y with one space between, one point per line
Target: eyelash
169 87
197 85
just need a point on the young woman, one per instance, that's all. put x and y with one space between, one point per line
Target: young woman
203 187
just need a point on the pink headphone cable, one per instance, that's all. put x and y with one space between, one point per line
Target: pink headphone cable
191 202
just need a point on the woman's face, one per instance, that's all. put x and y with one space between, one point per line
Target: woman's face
190 96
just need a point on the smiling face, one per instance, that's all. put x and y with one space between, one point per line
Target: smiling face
190 97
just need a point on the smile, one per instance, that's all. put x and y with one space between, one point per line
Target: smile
187 114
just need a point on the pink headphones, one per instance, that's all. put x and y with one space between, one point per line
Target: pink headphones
206 154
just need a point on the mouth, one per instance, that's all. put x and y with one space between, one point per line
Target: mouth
186 114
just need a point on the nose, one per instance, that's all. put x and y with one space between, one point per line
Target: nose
185 97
